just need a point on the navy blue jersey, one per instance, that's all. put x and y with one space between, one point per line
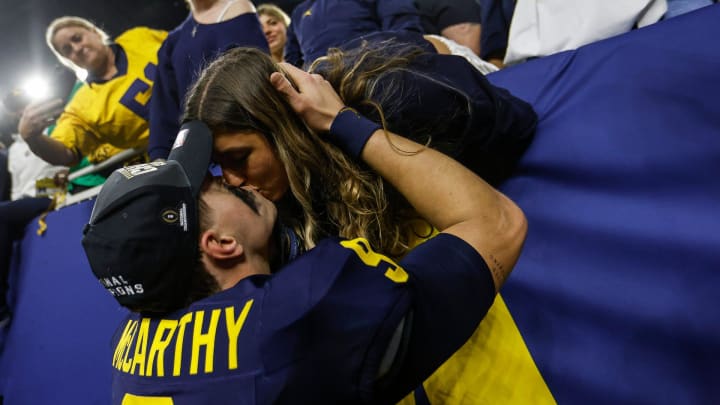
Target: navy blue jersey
315 332
186 51
317 25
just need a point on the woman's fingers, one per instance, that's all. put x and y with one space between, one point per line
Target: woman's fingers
282 84
314 99
44 109
37 116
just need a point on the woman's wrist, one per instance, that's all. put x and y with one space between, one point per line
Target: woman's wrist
350 131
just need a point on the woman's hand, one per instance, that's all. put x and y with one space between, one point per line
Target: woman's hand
38 116
314 100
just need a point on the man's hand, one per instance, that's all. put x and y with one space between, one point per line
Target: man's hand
314 99
37 116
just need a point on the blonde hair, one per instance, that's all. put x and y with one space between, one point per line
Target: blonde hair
333 195
273 11
71 21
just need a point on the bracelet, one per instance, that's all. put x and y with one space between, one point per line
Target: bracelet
350 131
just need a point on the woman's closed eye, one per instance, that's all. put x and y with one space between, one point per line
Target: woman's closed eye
232 161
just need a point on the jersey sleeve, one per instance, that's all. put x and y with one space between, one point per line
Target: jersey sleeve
452 290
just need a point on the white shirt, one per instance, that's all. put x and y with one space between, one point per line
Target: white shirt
544 27
25 168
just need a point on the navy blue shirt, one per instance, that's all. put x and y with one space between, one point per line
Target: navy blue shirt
187 49
447 101
436 15
496 18
318 25
314 332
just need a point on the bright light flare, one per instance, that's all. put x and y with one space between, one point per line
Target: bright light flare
36 87
81 74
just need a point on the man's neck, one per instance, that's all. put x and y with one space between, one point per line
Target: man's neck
229 277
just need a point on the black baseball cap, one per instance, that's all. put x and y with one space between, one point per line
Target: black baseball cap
142 238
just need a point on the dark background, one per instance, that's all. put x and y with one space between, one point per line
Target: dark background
22 28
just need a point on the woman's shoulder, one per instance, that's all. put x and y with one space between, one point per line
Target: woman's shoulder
83 97
142 36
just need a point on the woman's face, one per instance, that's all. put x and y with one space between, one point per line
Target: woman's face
275 33
83 47
248 159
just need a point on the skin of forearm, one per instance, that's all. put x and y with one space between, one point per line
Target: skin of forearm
454 185
459 202
51 151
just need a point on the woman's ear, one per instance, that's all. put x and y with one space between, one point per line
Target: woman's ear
220 247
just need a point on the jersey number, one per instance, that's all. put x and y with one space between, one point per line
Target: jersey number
137 88
362 248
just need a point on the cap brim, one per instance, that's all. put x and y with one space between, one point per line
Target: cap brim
193 150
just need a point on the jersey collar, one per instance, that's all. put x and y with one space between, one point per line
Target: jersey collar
121 64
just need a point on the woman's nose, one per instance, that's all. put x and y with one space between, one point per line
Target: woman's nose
233 178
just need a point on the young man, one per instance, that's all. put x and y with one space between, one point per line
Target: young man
216 321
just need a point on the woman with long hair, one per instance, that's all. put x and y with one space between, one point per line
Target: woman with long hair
259 141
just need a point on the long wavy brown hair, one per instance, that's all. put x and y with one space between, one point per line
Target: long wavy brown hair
331 194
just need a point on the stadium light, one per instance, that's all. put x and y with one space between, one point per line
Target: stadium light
36 87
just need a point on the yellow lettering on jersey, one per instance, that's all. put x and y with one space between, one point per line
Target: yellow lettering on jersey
182 323
362 248
204 339
234 326
130 399
141 347
126 363
144 97
160 342
396 273
122 345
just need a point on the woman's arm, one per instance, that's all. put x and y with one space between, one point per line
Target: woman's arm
35 118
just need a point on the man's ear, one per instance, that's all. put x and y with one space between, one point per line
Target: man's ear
219 246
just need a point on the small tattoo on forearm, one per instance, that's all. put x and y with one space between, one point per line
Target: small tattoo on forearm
496 268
